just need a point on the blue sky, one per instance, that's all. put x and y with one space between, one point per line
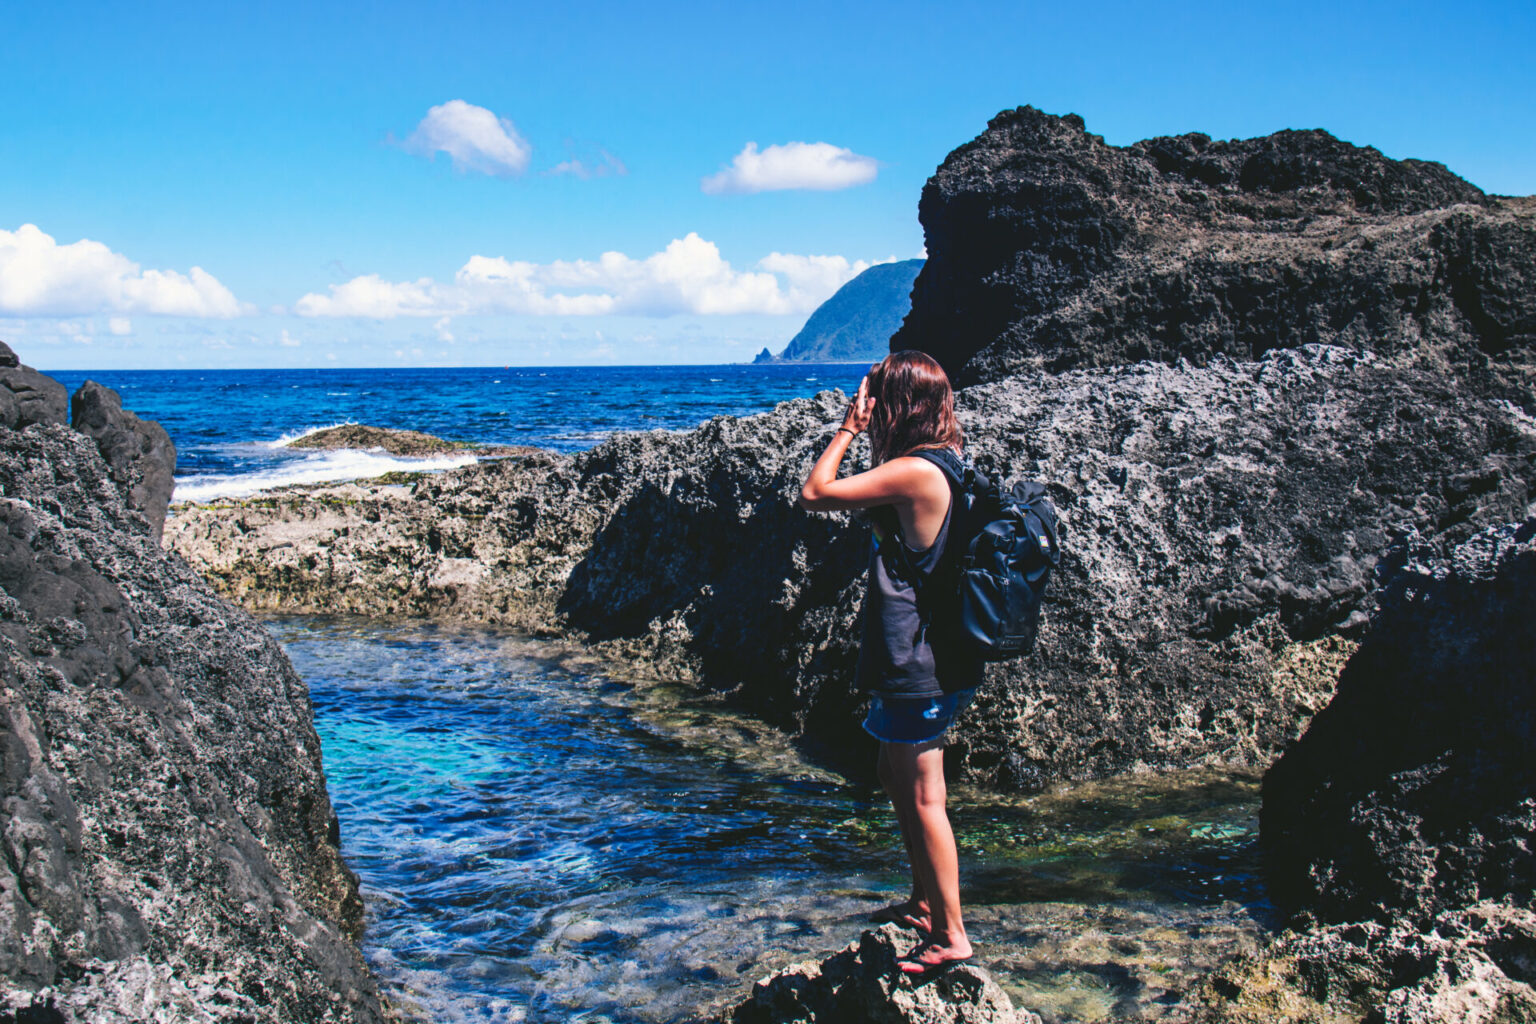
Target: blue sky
391 183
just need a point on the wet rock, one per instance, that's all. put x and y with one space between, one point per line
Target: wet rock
1049 249
139 453
1471 966
396 442
170 852
1223 527
27 396
863 985
1414 791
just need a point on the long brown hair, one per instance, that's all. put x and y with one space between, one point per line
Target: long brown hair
914 406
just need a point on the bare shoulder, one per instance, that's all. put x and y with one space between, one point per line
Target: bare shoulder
925 478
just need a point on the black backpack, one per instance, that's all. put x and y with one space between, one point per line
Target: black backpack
997 561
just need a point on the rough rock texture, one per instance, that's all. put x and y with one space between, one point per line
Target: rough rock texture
396 442
1049 249
27 396
1471 966
862 985
139 453
169 849
1415 790
1223 525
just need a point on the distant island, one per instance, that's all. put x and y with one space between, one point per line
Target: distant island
857 321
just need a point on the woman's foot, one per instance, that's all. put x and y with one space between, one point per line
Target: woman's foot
929 959
908 913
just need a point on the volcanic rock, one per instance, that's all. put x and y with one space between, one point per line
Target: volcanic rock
863 985
170 852
1223 524
1048 249
1414 791
139 453
27 396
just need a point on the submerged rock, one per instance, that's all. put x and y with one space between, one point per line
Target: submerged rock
1223 524
170 852
1049 249
863 985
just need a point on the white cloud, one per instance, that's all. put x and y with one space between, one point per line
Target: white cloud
119 325
442 329
688 276
287 340
474 137
38 276
598 164
804 165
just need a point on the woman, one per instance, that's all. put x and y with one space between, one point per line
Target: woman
916 679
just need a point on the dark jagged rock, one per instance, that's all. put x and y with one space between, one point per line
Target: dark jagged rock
863 985
1223 527
139 453
27 396
1414 791
858 320
1049 249
169 849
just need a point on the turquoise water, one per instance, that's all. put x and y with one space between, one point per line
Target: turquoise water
542 839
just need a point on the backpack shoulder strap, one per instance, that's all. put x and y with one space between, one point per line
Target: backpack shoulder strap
962 475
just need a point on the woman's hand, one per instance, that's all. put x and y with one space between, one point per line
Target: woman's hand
860 409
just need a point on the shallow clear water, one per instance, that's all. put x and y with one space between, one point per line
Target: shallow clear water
539 839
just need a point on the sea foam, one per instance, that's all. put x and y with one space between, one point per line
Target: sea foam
318 468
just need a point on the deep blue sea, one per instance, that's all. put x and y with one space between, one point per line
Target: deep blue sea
231 426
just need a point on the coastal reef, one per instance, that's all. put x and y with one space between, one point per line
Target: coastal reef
169 849
863 985
1399 830
1049 249
1223 527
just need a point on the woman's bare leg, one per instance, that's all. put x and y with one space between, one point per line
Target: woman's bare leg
915 909
918 773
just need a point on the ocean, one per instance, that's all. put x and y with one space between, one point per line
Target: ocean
232 428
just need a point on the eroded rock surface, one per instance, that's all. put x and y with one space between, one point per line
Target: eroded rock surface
1049 249
27 396
170 852
1414 791
863 985
139 453
1223 525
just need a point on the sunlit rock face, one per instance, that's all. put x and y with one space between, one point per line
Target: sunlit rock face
1049 249
170 852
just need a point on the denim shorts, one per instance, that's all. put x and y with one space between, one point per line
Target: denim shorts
913 719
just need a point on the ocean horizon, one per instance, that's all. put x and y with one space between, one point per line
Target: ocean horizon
233 429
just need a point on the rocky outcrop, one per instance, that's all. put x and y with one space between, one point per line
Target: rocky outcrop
1048 249
1403 819
27 396
1223 526
1470 966
169 849
139 453
863 985
1414 791
858 320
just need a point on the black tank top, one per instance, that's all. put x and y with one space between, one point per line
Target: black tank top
904 652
